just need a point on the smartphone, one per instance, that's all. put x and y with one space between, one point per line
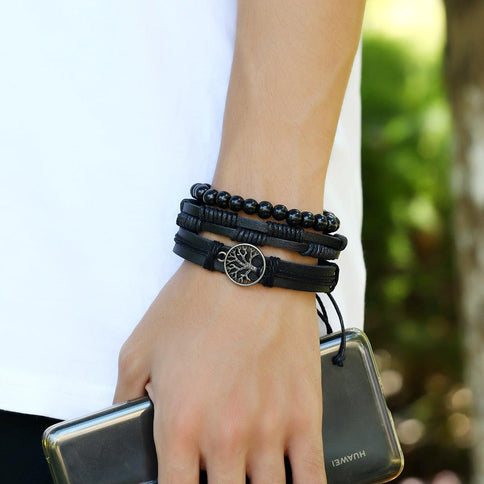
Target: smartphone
115 445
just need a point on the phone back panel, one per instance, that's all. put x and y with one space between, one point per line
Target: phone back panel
360 442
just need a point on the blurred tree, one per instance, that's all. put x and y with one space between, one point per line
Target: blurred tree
465 79
407 235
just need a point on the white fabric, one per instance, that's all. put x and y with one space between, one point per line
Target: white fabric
109 111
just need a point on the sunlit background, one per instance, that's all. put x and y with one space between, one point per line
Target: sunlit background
411 314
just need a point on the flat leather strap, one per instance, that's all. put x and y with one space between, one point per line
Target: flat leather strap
271 229
278 273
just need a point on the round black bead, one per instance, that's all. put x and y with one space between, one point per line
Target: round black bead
294 217
279 212
320 222
333 222
250 206
265 209
236 202
307 219
200 190
195 187
222 199
210 196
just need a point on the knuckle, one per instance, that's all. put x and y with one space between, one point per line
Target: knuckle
308 420
306 411
179 428
270 426
230 437
130 363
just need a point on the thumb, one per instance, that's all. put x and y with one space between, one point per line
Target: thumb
133 375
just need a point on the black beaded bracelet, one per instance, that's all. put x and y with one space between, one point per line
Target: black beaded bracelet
220 224
246 265
325 222
277 230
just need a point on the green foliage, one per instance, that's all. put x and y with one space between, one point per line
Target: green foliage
411 291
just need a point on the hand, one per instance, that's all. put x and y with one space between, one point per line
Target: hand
234 374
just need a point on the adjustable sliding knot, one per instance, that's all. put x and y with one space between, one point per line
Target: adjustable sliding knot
336 276
319 251
217 216
213 251
250 237
272 265
189 222
284 232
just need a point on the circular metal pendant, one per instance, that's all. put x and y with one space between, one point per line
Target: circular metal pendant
244 264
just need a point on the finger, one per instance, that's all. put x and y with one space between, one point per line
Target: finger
267 466
177 449
226 469
224 454
265 460
177 464
175 432
133 374
307 459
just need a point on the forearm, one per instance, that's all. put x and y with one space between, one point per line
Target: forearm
291 65
235 375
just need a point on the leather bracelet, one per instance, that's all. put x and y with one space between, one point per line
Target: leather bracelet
245 265
238 234
277 230
325 222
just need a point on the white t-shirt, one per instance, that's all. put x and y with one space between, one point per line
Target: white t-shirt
109 111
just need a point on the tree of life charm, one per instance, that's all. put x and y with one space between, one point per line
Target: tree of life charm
244 264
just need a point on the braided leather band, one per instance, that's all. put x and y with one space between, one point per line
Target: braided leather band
278 273
310 249
196 217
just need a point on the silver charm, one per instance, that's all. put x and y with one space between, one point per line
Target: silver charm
244 264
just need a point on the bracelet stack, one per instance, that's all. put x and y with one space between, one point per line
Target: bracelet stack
220 213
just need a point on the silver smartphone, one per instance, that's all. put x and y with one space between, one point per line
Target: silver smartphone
115 445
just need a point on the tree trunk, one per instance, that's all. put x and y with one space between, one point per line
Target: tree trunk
465 79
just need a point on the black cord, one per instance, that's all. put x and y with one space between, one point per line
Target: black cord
323 315
338 359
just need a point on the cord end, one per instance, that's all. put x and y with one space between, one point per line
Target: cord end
339 358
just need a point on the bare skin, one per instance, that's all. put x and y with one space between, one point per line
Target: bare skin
234 372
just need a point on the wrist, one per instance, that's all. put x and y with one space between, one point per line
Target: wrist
271 150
